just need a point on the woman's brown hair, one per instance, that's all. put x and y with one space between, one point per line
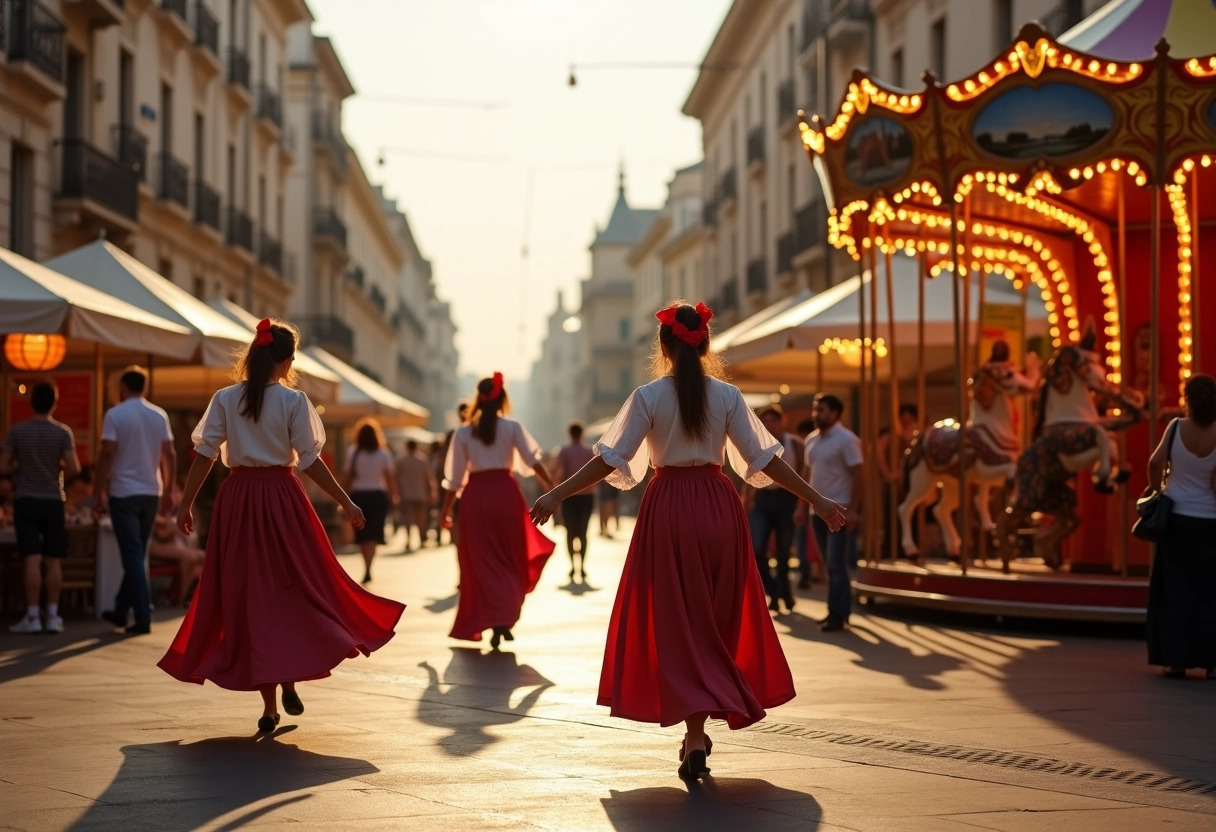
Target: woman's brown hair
1200 394
369 436
256 366
688 366
487 407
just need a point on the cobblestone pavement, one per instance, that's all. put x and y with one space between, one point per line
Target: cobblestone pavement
905 722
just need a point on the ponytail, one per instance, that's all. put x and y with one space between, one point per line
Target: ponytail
276 341
688 365
489 403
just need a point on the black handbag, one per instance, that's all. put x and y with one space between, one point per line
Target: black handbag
1156 508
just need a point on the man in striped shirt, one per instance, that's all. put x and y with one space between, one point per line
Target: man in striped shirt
39 451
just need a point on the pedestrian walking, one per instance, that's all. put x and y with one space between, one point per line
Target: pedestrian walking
462 417
371 480
1182 588
690 637
134 481
38 452
834 459
771 512
416 491
273 606
501 554
576 509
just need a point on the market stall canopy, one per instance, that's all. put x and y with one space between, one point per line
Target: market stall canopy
787 348
109 269
320 383
359 395
1128 30
38 300
722 340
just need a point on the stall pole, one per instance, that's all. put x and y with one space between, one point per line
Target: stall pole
1154 304
99 399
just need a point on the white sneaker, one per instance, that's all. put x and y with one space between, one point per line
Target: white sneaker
28 625
54 624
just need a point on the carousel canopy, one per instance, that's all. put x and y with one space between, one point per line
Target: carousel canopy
108 268
1128 30
39 300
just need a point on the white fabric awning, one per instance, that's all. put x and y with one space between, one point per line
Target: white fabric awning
359 395
109 269
39 300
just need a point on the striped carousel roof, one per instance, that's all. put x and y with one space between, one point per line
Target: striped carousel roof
1128 30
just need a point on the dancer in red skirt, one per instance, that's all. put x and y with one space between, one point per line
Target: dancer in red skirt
690 636
273 607
501 554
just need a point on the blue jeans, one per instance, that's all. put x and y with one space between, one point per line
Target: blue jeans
773 513
839 551
133 518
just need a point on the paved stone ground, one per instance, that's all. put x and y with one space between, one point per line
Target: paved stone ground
907 722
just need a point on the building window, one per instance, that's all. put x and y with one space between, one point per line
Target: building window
624 329
200 288
1002 11
166 269
21 202
897 67
937 48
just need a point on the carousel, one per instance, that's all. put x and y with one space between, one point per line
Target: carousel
1075 175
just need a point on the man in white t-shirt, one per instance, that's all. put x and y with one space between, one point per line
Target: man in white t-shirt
833 455
135 474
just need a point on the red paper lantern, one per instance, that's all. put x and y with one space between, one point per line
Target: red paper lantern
34 353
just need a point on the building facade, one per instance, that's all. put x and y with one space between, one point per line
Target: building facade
765 214
666 262
553 400
410 315
608 373
443 384
159 125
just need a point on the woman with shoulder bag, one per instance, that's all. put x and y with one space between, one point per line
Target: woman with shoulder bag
1182 591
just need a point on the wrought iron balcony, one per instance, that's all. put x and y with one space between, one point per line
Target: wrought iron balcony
757 276
206 29
330 137
238 68
729 299
785 253
132 148
848 23
329 333
326 223
810 226
174 180
206 205
36 36
709 213
270 106
270 252
377 298
177 7
239 230
755 146
356 276
786 108
90 174
728 188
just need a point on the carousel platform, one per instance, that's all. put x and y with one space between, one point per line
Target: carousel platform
1031 590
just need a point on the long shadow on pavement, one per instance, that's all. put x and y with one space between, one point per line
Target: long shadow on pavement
717 803
30 655
876 652
475 694
173 786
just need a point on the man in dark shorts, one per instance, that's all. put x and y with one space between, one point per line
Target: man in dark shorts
576 510
38 451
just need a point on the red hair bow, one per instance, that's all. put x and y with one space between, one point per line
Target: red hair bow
692 337
264 336
495 390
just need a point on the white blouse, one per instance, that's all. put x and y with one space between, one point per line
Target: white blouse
369 468
288 431
648 431
513 448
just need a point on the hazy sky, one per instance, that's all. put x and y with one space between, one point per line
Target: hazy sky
469 215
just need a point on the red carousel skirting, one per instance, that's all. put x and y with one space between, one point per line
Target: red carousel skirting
1037 593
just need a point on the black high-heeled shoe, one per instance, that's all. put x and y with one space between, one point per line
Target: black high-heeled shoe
694 767
267 724
709 746
495 639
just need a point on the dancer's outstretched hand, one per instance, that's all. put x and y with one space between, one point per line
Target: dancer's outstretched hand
544 508
354 515
832 513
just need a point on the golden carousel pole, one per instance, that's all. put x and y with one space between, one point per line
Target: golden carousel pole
893 442
922 269
863 414
875 495
1121 204
1196 331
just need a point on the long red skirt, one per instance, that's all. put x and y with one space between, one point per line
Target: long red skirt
273 605
690 630
501 554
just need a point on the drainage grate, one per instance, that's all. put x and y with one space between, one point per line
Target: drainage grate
1004 759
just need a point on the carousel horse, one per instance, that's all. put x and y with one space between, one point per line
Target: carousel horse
1071 436
990 455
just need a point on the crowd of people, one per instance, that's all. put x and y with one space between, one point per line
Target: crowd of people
691 636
